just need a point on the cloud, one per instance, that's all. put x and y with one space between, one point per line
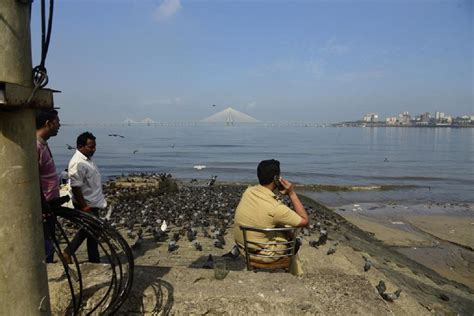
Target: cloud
283 65
171 101
333 48
314 67
353 76
167 9
165 101
251 105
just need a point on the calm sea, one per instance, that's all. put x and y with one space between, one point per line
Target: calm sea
438 161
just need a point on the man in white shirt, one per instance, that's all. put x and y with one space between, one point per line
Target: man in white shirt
87 195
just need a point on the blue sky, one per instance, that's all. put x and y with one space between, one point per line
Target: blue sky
321 61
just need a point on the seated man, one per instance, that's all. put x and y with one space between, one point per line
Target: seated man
259 207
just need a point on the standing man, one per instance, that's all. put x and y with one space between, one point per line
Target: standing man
260 208
87 195
47 125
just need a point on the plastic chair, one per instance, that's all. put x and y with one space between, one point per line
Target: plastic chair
281 259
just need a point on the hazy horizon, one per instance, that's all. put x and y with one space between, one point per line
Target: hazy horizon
315 61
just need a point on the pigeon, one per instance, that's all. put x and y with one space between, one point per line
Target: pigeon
158 235
130 234
212 181
172 246
218 244
197 245
206 233
191 234
220 238
164 226
233 253
176 236
381 287
323 237
367 265
109 214
138 243
130 224
331 250
390 297
209 263
306 231
69 147
444 297
314 243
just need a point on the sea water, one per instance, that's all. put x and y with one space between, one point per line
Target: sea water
438 162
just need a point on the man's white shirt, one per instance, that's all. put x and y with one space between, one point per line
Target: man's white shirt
84 173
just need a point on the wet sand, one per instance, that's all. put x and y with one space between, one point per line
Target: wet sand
438 236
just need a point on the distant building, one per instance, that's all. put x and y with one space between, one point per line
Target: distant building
404 118
463 120
439 116
425 117
391 120
371 117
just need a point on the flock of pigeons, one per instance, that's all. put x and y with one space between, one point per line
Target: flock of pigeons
168 214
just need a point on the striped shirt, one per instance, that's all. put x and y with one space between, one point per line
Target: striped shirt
47 170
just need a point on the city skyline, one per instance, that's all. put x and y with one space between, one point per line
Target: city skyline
223 115
284 60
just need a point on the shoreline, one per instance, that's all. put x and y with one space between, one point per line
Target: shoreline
425 289
441 237
399 225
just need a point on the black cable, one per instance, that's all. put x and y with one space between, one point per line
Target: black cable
111 236
45 41
76 304
93 231
112 245
66 269
40 73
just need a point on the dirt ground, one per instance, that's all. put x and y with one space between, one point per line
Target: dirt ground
176 283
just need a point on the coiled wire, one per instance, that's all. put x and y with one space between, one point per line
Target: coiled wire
116 250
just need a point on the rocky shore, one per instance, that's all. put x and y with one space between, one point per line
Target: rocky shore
174 280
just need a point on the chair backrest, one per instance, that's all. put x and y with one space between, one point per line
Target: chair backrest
272 254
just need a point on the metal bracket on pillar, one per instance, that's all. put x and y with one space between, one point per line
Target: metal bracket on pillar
15 96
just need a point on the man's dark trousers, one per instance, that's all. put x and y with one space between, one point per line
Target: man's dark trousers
92 246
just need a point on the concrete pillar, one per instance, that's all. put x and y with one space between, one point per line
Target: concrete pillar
15 43
23 277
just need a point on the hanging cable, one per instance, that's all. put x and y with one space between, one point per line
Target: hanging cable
40 74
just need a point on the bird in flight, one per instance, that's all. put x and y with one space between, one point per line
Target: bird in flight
214 105
135 151
70 147
117 135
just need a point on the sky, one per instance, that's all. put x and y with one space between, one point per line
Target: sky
276 60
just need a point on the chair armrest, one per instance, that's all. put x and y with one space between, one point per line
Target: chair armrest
266 230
